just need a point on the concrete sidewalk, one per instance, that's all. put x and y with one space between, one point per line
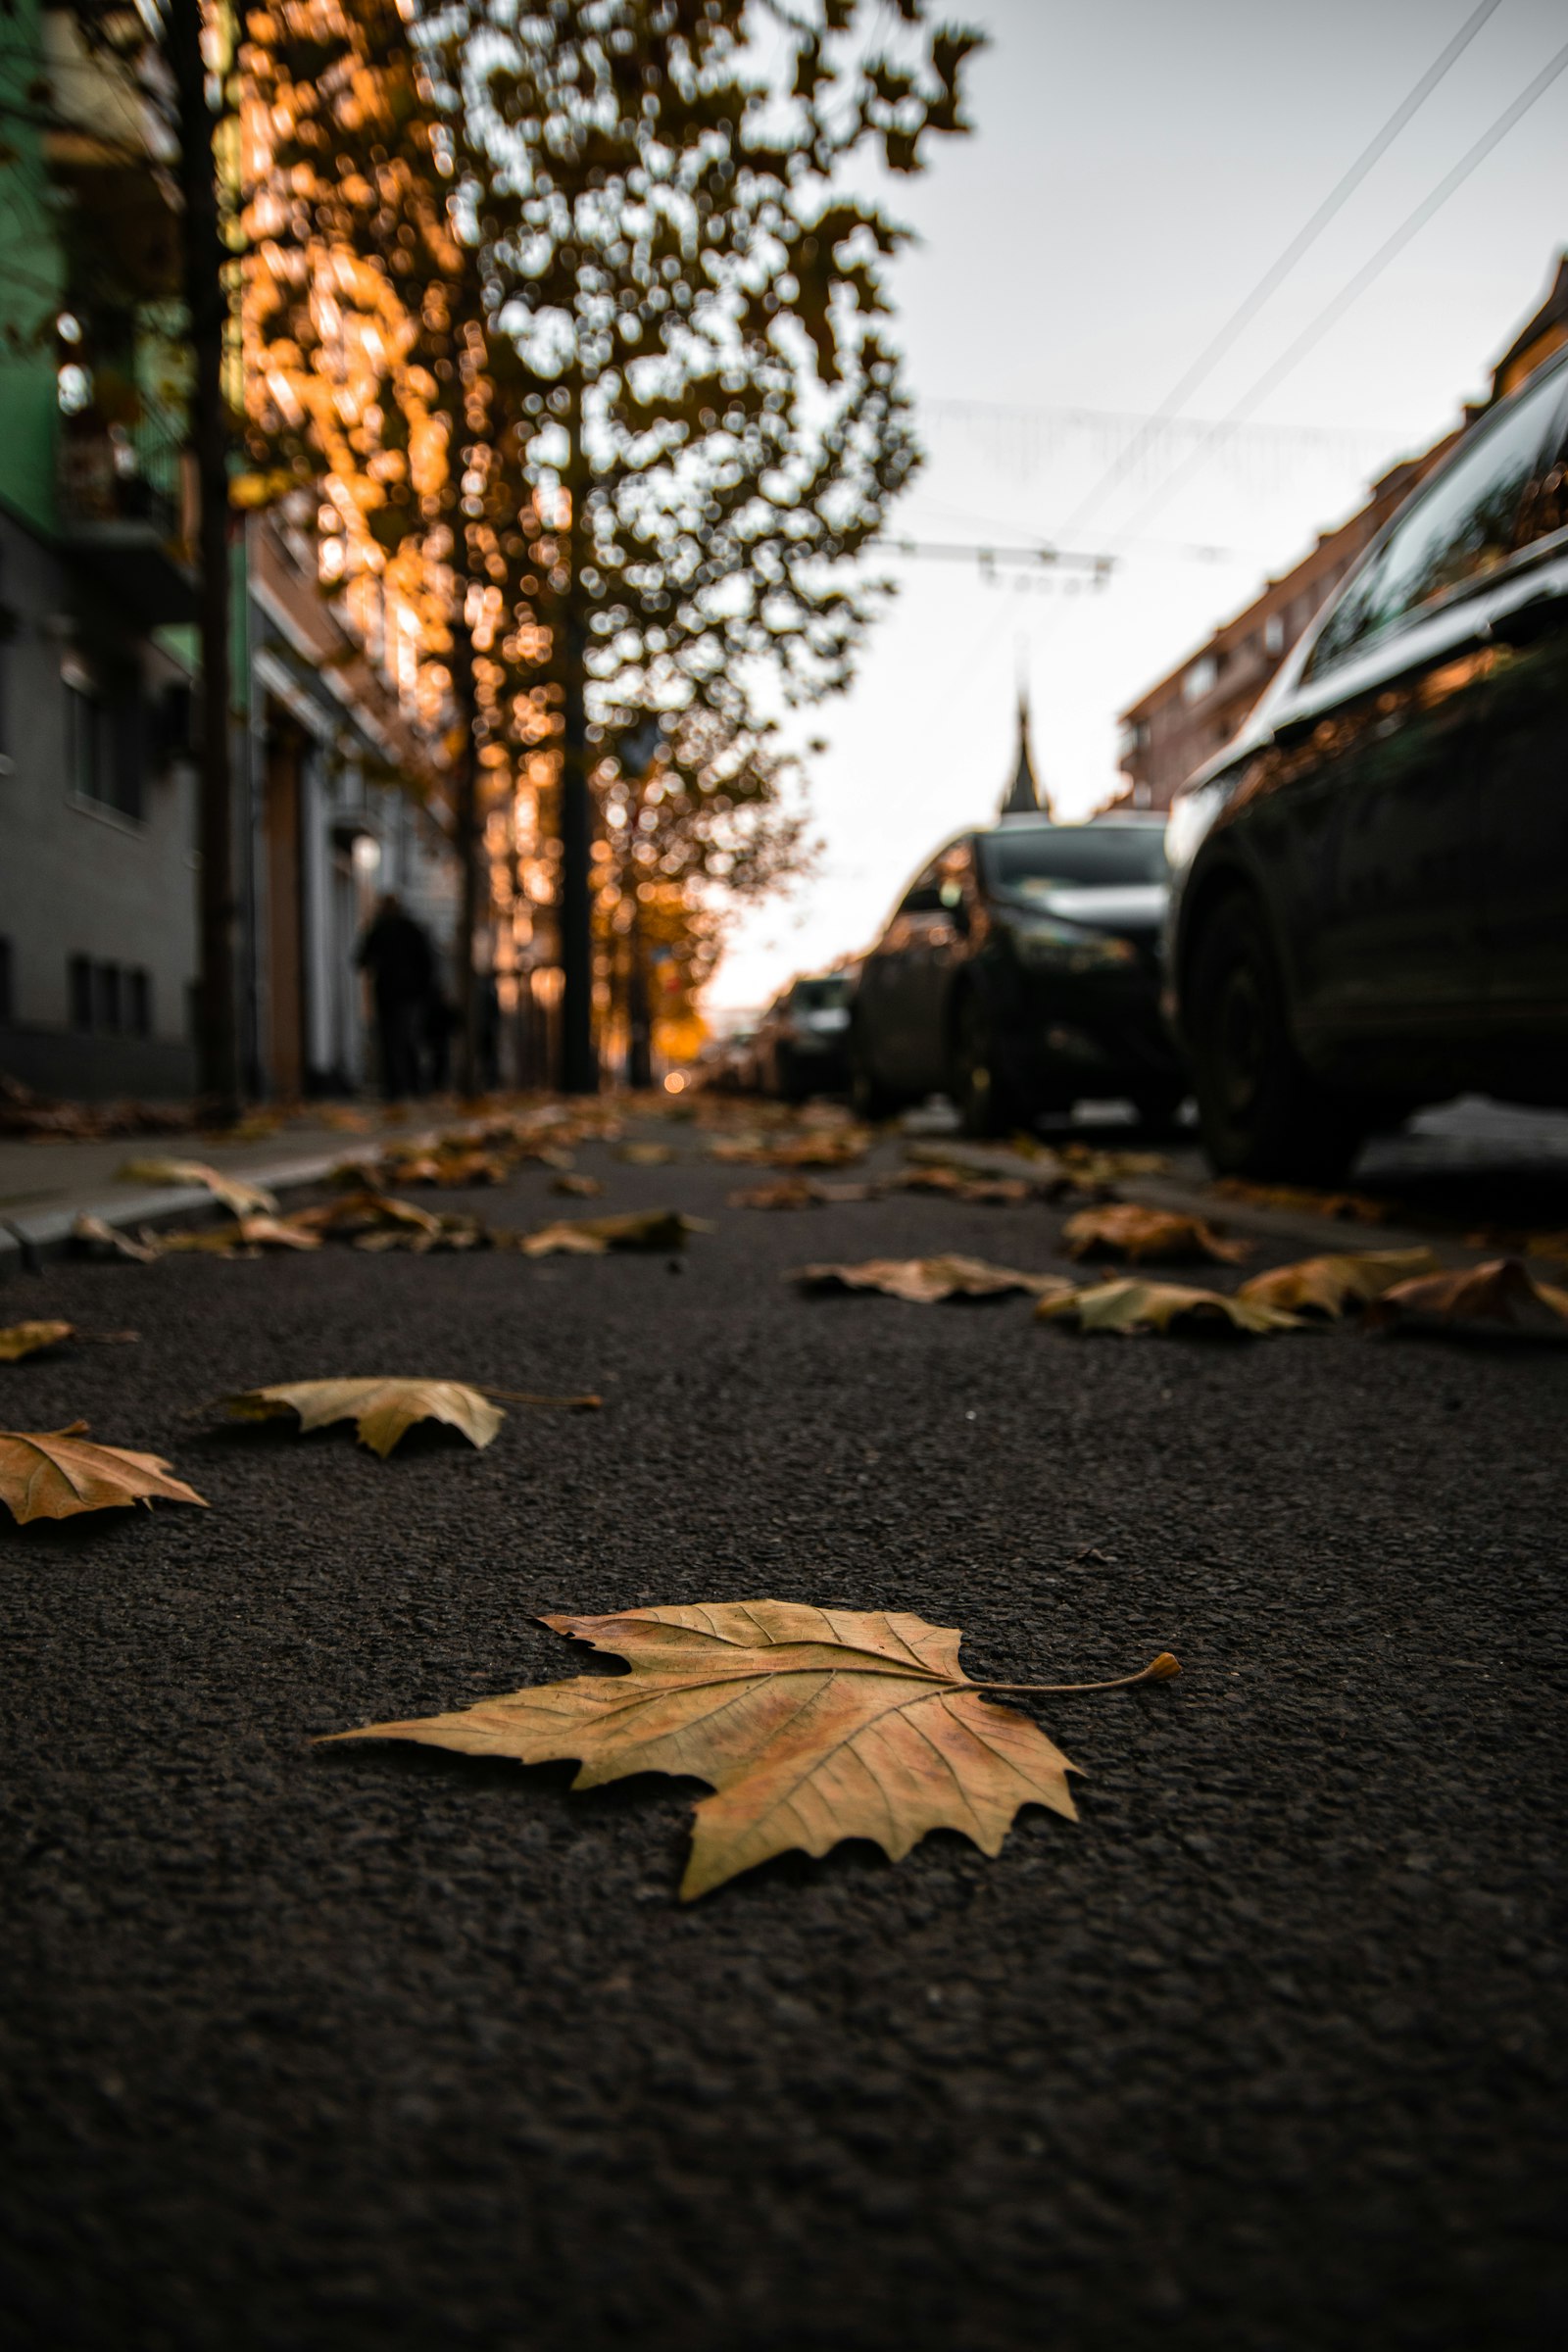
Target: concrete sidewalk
47 1183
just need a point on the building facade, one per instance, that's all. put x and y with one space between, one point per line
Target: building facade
1193 711
99 866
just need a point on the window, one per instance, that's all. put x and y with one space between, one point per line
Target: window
103 735
1088 856
1200 678
106 998
78 977
138 1004
85 764
1274 633
1456 532
5 984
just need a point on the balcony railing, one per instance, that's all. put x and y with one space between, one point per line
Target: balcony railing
121 474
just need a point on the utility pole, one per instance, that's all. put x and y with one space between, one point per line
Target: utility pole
218 1025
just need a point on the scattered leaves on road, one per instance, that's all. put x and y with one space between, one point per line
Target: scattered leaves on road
577 1187
592 1237
1130 1306
1126 1228
55 1474
235 1192
1326 1285
923 1281
1500 1297
1357 1208
17 1339
381 1411
811 1726
957 1184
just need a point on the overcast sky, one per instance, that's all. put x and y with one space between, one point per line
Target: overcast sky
1134 168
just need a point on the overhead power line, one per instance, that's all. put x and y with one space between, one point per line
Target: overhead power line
1357 285
1242 315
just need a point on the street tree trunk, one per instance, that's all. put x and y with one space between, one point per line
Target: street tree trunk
465 841
639 1019
218 1024
580 1073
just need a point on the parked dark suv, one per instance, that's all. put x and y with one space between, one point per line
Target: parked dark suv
1370 886
1018 972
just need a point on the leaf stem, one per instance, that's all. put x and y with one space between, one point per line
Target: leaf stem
1158 1670
584 1404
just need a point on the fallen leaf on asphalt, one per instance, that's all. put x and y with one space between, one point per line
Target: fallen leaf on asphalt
95 1233
592 1237
1326 1286
380 1409
363 1211
577 1187
449 1168
923 1281
1357 1209
827 1147
1125 1229
811 1726
789 1192
954 1184
54 1474
17 1339
647 1155
243 1238
1129 1306
1501 1296
233 1191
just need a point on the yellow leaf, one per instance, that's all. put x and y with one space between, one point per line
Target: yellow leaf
55 1474
17 1339
1326 1286
1128 1230
923 1281
1126 1306
592 1237
380 1409
811 1726
93 1232
233 1191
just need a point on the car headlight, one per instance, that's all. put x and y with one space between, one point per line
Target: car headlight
1057 948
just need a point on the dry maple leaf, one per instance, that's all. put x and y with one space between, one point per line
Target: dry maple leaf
1357 1209
95 1234
577 1187
811 1726
17 1339
592 1237
243 1238
381 1411
55 1474
923 1281
363 1211
1129 1306
235 1192
1131 1231
1501 1296
788 1192
1326 1286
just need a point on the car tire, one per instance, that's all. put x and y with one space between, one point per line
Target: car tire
869 1099
986 1103
1261 1111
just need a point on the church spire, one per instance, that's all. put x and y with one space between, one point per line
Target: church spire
1023 796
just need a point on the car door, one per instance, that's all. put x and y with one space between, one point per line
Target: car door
1372 815
937 947
882 1020
1524 788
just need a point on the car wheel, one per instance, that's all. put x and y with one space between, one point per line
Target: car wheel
1159 1110
986 1104
869 1099
1261 1111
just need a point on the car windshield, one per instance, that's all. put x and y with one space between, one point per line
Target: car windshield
1043 857
821 996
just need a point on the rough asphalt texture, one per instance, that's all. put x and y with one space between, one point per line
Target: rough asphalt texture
382 2048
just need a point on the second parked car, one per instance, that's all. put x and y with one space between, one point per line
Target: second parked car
799 1045
1018 973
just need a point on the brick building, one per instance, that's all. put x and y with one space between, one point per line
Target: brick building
1198 706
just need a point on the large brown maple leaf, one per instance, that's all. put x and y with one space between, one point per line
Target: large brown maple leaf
811 1725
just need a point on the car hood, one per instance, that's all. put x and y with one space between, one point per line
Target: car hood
1126 907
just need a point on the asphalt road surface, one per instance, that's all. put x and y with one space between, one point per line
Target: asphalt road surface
371 2049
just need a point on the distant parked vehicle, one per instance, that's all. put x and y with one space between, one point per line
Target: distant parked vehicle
802 1042
1370 904
1018 973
